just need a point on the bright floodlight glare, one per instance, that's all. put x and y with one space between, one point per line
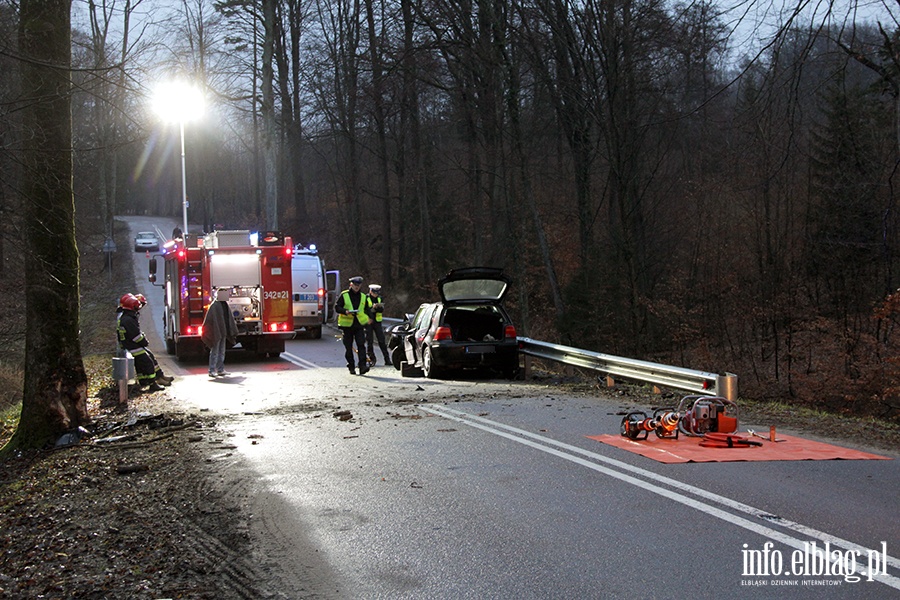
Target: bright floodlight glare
178 101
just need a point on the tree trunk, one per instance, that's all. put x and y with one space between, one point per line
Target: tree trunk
55 393
295 127
383 179
270 136
413 160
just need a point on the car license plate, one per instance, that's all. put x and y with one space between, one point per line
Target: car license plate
480 349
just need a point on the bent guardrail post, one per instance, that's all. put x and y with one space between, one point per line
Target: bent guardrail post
724 385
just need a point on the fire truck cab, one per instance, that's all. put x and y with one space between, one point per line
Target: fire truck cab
257 270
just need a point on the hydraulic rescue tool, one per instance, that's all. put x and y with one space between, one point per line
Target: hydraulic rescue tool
664 423
707 414
696 415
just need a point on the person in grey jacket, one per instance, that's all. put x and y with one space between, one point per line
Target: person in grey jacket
219 331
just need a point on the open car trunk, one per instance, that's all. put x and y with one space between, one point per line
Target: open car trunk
474 324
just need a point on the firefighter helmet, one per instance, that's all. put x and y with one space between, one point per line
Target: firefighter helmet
130 302
142 300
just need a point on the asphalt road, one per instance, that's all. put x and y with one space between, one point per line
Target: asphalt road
490 489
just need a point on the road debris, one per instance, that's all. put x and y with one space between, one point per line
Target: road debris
126 469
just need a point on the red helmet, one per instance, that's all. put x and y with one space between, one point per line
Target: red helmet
141 299
130 302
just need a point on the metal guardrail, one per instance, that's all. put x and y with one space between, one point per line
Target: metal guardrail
638 370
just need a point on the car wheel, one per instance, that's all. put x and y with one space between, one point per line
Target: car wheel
428 367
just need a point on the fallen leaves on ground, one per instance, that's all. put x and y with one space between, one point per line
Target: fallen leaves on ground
76 524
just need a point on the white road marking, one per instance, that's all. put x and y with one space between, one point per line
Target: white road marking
300 362
544 443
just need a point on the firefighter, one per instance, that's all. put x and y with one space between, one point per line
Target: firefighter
375 329
128 329
352 308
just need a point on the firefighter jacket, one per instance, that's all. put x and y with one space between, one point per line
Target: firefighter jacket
356 301
218 324
128 330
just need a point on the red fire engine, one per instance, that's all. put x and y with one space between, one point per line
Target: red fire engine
257 270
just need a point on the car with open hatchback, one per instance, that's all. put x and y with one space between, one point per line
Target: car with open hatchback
469 329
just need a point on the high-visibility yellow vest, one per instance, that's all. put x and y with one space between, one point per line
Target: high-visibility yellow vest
346 320
378 315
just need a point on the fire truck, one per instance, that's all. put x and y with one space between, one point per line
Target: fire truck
256 268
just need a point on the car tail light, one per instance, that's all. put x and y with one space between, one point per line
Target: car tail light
442 333
190 330
509 332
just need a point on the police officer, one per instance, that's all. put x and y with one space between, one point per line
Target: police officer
375 329
352 308
131 338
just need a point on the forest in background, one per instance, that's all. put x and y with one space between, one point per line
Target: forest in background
655 189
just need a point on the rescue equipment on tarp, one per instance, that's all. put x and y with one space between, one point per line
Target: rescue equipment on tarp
695 415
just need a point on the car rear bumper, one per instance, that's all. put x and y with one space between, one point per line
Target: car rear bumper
475 355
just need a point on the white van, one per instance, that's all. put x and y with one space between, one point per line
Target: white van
309 292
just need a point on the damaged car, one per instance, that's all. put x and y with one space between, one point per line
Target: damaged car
467 330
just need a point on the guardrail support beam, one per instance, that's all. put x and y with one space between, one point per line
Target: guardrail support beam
659 375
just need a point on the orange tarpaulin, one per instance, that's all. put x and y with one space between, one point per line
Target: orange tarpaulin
688 449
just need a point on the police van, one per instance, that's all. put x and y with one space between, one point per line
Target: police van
313 297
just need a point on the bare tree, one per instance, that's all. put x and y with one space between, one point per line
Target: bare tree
107 83
376 30
55 391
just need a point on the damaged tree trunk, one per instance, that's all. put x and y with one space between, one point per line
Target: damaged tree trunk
55 392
